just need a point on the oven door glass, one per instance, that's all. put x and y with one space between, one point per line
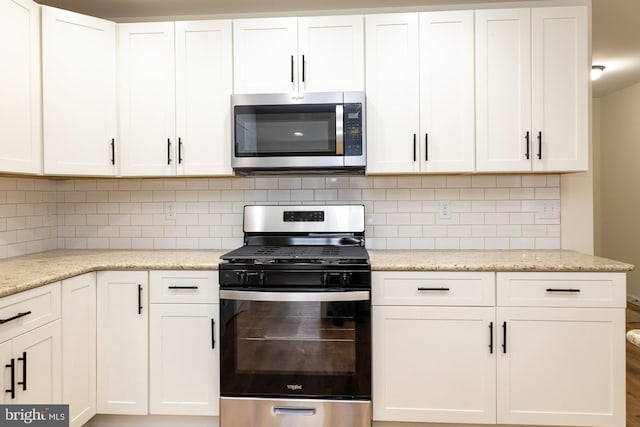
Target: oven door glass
284 344
287 130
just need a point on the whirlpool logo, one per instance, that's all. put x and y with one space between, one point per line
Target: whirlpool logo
34 415
294 387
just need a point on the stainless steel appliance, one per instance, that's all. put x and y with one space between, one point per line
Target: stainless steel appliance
295 313
299 132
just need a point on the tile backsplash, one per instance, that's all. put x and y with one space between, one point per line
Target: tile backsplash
402 212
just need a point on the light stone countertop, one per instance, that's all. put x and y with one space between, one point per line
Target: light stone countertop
30 271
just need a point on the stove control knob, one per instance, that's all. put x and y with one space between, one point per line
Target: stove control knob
261 278
242 277
345 280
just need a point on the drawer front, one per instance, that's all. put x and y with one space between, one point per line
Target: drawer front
180 286
562 289
433 288
28 310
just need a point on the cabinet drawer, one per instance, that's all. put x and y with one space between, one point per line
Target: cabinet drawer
180 286
433 288
42 304
562 289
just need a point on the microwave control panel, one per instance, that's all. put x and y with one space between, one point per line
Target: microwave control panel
353 129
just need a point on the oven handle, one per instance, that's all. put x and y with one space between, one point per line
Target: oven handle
295 296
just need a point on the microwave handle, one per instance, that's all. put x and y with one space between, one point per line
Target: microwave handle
340 130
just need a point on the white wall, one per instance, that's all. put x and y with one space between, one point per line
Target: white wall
28 221
489 211
619 180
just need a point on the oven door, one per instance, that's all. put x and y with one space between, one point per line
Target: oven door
296 344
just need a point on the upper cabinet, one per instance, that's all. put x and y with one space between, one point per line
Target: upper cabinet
420 92
79 93
532 89
174 86
310 54
20 102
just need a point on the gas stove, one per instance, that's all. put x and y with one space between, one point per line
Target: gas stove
309 246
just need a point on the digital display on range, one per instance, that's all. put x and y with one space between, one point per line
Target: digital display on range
303 216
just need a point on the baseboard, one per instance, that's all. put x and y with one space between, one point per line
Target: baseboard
632 299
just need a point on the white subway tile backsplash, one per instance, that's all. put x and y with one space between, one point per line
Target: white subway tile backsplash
488 211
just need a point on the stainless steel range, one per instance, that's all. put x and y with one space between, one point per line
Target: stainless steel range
295 312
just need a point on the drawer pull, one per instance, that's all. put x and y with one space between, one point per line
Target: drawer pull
17 316
563 290
287 410
183 287
441 289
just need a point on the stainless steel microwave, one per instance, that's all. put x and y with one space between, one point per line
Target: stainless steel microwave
299 132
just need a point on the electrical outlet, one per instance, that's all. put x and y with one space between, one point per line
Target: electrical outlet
444 209
549 209
170 211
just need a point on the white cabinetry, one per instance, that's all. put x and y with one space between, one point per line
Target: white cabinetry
175 83
309 54
79 347
122 350
184 355
420 92
433 347
562 349
20 118
551 353
79 93
30 346
532 89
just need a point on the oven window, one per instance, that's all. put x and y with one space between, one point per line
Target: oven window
295 348
285 130
310 338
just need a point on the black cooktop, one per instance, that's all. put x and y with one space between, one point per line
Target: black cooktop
297 253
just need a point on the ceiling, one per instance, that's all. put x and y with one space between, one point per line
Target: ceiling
615 44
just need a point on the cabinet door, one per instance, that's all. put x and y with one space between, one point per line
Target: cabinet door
38 365
79 93
331 53
560 88
561 366
184 362
265 55
503 90
79 347
122 350
147 98
447 94
203 90
20 118
434 364
392 93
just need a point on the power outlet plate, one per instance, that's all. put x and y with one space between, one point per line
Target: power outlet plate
549 209
444 209
170 211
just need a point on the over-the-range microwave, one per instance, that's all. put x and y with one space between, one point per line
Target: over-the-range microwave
321 132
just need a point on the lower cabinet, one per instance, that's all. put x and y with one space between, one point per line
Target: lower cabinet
434 347
30 351
434 364
79 347
551 351
183 338
122 336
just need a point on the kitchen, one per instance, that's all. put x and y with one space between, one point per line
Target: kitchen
403 211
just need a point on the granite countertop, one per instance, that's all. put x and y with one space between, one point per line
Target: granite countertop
30 271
